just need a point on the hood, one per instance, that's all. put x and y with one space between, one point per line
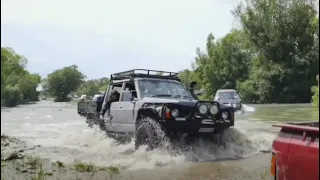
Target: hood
184 102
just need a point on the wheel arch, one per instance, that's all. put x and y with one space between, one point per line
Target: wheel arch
147 113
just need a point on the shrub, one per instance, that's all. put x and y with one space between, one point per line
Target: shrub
11 96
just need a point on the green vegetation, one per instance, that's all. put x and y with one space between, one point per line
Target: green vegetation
60 83
17 84
80 166
84 167
272 58
69 80
92 87
315 97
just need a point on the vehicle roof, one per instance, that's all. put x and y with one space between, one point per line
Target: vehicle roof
121 81
226 90
157 79
145 78
146 73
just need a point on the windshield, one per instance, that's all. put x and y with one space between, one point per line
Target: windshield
163 88
227 95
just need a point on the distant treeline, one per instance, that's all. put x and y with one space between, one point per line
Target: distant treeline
272 58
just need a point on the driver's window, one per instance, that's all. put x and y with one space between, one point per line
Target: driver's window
117 87
129 92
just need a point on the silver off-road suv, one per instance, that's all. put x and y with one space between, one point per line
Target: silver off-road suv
229 97
152 101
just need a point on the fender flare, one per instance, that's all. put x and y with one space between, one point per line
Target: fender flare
147 112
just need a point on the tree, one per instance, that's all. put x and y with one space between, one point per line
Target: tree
12 96
28 85
224 62
60 83
284 34
93 86
17 84
103 88
186 76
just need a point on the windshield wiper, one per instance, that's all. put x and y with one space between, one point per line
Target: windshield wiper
161 95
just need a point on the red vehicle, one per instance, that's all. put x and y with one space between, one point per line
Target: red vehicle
295 152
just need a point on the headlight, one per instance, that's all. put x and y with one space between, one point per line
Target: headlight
175 113
203 109
225 115
214 109
234 105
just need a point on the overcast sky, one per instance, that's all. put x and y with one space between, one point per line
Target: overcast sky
106 36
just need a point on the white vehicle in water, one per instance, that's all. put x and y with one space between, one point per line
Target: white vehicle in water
154 106
229 97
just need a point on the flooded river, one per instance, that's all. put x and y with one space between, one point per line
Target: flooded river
64 136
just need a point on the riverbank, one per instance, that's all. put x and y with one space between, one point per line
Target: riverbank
20 163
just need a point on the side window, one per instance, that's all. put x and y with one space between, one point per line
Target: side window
129 92
117 87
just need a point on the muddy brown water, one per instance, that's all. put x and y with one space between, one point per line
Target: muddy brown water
64 136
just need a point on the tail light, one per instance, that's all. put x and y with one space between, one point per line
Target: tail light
273 165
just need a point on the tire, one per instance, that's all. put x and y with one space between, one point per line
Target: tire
150 133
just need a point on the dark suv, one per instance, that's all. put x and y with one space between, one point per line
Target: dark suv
156 102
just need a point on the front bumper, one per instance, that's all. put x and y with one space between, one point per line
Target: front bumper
196 126
190 120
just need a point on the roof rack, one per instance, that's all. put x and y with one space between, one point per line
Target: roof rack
145 73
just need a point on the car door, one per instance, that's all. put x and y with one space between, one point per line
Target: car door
113 120
111 115
126 112
116 113
126 116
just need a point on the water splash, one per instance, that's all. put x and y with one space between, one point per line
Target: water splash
64 136
92 145
247 108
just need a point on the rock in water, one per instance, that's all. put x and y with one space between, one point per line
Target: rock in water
12 156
